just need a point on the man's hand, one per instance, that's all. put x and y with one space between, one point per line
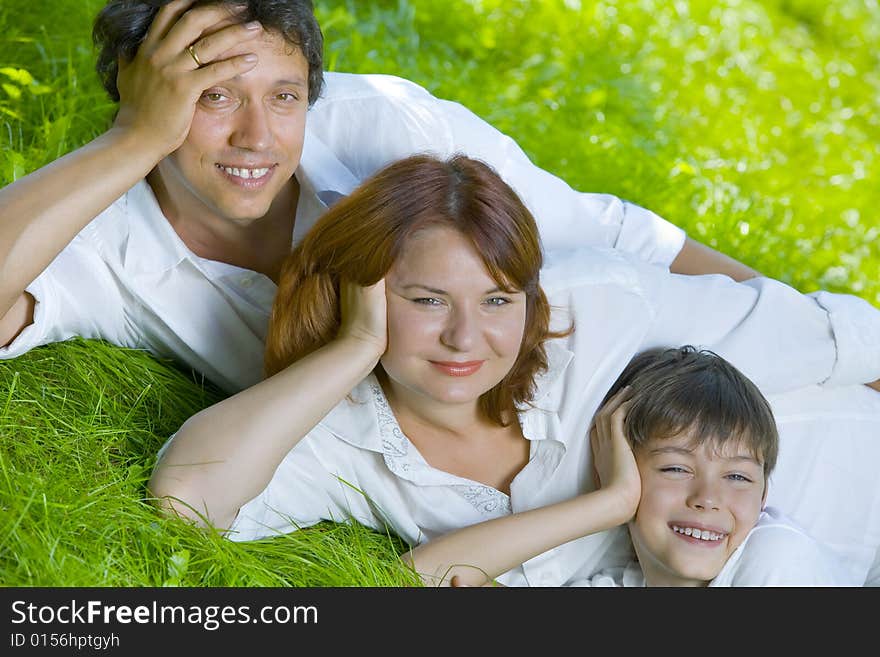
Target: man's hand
160 87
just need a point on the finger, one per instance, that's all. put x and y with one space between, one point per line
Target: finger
191 26
165 19
617 422
210 48
617 399
226 69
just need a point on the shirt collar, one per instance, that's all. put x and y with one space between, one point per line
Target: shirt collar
154 245
321 172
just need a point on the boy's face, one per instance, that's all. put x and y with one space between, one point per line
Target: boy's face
697 507
246 137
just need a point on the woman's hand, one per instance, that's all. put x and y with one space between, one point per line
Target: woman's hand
160 87
613 457
364 315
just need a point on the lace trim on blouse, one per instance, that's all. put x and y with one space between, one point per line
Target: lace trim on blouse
395 447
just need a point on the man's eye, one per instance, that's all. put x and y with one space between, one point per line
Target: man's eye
287 97
213 97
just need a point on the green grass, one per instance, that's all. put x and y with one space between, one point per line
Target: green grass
753 125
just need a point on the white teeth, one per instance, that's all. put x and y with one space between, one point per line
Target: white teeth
246 174
703 535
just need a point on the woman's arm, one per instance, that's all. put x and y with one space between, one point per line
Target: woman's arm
225 455
481 552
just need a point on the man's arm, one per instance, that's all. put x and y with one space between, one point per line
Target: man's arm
697 258
41 213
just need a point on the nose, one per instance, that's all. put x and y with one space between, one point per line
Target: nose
704 495
252 130
459 332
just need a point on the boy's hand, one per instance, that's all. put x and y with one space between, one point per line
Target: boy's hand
364 313
160 87
613 457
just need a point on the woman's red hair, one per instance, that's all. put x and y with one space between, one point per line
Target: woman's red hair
361 236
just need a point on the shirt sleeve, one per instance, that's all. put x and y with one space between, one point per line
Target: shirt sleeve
303 492
76 295
775 335
566 218
778 555
381 118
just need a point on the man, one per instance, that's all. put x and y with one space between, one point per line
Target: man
167 231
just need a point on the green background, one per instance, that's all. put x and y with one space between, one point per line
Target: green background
752 125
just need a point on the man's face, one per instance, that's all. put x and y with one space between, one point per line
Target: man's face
246 138
697 507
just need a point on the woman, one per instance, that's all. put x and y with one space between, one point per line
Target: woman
419 380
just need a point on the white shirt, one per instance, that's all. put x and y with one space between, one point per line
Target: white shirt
129 279
776 552
357 463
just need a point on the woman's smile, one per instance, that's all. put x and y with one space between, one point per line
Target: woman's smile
455 368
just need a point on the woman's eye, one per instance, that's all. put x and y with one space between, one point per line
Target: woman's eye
427 301
498 301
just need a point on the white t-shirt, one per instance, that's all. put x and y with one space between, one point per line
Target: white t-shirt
776 552
129 279
356 463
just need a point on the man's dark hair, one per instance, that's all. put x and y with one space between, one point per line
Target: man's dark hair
696 391
122 25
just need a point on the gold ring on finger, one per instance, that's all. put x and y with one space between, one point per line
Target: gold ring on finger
195 57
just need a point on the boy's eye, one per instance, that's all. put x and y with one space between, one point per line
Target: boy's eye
673 469
736 476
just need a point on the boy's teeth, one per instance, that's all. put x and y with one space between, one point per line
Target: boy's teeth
703 535
246 173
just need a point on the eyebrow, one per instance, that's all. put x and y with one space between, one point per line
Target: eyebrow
688 452
298 82
434 290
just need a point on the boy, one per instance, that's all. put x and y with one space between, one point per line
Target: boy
683 447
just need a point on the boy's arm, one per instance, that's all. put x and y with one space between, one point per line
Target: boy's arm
479 553
41 213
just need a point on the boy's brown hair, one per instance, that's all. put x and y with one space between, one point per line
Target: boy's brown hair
696 391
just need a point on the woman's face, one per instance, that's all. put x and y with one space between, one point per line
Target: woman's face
452 333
